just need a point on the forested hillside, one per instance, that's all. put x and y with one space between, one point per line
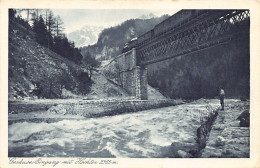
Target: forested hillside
42 64
200 74
111 40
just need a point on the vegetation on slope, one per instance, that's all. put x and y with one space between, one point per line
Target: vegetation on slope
35 70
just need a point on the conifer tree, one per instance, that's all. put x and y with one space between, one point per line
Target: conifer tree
12 13
41 33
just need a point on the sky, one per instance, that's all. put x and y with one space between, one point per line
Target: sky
76 18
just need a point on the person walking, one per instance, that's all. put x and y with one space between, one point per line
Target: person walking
221 97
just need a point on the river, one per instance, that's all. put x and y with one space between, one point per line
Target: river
135 135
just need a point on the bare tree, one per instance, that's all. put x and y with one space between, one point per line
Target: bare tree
28 13
35 13
46 14
58 26
51 23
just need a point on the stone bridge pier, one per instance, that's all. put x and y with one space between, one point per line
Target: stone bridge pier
132 78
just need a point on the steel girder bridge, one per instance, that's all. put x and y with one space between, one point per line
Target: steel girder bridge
207 29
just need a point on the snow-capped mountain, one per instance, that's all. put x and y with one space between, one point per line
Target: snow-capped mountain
88 35
148 16
111 40
85 36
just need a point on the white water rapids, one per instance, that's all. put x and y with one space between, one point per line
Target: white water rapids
140 134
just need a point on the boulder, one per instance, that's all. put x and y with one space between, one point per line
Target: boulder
59 109
220 141
183 154
219 127
244 119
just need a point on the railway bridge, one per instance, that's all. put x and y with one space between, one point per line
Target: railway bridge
184 33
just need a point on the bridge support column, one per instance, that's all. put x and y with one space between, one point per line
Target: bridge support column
136 82
131 77
144 83
139 83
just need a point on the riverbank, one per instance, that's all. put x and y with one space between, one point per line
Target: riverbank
227 138
71 108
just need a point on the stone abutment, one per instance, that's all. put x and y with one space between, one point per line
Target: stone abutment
124 71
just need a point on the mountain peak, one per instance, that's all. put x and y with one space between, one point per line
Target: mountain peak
148 16
85 36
